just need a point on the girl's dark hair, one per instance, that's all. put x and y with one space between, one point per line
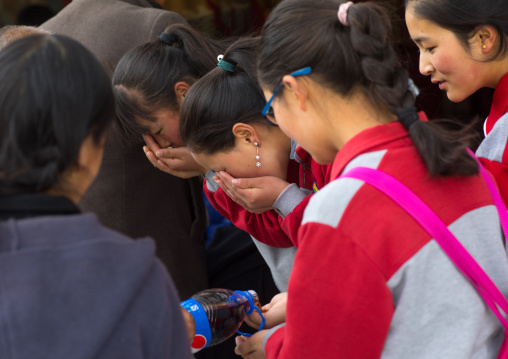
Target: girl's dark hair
220 99
463 17
144 78
301 33
53 94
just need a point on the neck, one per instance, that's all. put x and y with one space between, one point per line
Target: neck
277 145
500 69
357 114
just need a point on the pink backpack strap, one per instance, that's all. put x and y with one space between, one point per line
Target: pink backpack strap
412 204
496 196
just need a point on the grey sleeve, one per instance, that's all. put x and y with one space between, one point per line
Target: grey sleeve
210 182
494 144
269 333
289 199
280 262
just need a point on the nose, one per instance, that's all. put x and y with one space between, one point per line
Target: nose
426 67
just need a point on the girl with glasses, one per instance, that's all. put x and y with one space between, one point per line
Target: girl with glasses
368 281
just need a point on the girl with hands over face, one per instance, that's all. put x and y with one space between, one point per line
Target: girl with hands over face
150 83
257 177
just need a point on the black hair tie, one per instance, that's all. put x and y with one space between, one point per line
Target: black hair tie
407 116
167 38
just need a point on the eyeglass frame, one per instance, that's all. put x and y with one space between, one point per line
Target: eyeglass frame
301 72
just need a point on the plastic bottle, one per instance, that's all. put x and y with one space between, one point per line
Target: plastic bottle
218 313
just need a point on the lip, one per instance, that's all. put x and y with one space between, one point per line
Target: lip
441 84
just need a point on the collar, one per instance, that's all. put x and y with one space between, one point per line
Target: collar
499 104
388 136
32 205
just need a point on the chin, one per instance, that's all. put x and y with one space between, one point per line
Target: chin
322 160
456 98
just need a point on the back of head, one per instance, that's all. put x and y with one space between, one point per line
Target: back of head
222 98
145 77
463 18
10 33
53 95
353 54
301 33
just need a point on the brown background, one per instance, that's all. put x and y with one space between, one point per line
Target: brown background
219 18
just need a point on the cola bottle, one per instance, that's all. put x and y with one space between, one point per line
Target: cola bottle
218 313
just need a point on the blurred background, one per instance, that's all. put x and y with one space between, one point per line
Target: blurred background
218 18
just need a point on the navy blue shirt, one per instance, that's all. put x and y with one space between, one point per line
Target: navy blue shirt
72 288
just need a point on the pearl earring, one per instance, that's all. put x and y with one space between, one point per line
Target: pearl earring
258 164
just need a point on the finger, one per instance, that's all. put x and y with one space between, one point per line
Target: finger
165 152
150 142
150 155
240 339
226 176
244 347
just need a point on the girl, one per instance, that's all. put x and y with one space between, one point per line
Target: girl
368 281
463 47
221 124
72 288
150 83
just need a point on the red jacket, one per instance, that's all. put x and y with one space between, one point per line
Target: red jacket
270 227
368 281
493 152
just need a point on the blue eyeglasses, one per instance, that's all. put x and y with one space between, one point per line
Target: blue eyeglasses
267 110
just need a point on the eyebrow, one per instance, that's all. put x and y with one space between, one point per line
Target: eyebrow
420 39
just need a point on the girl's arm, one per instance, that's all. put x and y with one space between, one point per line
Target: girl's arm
265 227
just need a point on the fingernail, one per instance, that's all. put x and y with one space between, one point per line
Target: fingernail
235 181
159 153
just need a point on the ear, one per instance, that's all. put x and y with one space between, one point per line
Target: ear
245 133
181 88
488 37
90 152
297 90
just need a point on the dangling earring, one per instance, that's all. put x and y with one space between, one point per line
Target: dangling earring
258 164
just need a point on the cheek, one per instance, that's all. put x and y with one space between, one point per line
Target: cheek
170 134
445 63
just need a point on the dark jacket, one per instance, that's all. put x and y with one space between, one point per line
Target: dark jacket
73 289
129 194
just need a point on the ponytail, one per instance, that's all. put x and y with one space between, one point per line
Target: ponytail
356 54
227 95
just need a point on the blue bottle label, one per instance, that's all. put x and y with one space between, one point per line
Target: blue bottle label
203 335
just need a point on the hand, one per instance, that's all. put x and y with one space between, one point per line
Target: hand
250 347
256 195
189 322
274 313
175 161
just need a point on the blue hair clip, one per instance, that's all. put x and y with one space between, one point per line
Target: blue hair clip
225 65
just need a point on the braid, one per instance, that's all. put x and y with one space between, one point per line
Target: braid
385 82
